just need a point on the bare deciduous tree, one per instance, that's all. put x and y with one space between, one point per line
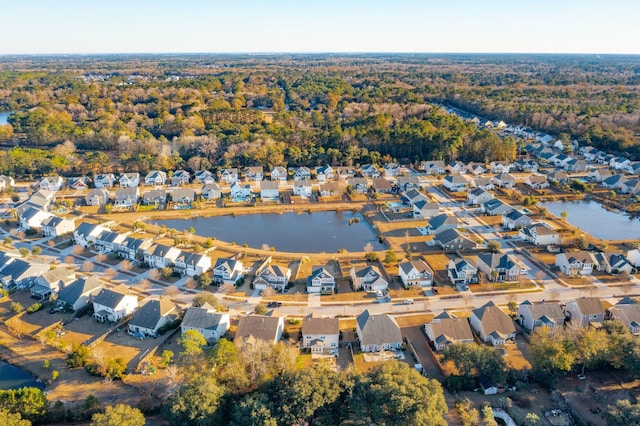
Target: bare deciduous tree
144 284
87 266
110 273
125 265
154 274
77 249
171 291
190 283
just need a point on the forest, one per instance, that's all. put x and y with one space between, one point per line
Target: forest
136 113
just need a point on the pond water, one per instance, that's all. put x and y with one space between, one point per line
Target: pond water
4 116
591 217
12 377
290 232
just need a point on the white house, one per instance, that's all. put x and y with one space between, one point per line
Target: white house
492 325
325 173
504 180
499 267
301 173
180 177
206 320
269 190
368 278
576 263
515 219
446 329
129 180
33 218
321 335
378 332
240 191
211 191
539 234
97 197
434 167
415 273
627 310
161 256
191 264
391 169
540 314
455 183
104 180
51 282
478 196
302 188
254 173
152 315
51 183
274 276
114 304
204 177
229 175
321 281
126 197
279 173
55 226
585 310
86 234
79 293
461 271
155 177
227 271
537 182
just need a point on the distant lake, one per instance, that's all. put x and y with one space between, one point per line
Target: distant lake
4 116
12 377
290 232
594 219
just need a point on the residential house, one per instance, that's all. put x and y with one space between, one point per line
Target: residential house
155 177
51 282
302 188
229 176
539 234
368 278
434 167
106 240
455 183
258 327
370 171
227 271
269 190
627 310
599 175
614 181
77 183
126 197
485 183
536 182
129 180
325 173
358 184
446 329
191 264
152 315
631 186
20 274
406 183
476 169
504 180
180 177
499 267
301 173
457 168
345 173
274 276
559 176
478 196
97 197
492 325
211 191
540 314
183 196
561 160
51 183
240 191
104 180
79 293
207 321
113 304
633 256
527 166
378 332
391 170
415 273
33 218
613 263
320 335
380 185
500 167
279 173
321 281
132 248
441 223
423 208
620 163
576 263
39 201
161 256
496 207
330 189
54 226
155 197
461 272
6 182
576 166
413 196
515 219
254 173
452 239
585 310
86 234
204 177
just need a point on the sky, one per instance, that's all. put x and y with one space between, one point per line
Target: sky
154 26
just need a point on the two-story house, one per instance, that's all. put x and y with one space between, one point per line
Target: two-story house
274 276
321 335
114 304
585 310
126 197
499 267
129 180
415 273
321 281
155 178
462 272
539 234
540 314
576 263
378 332
368 278
252 328
152 315
492 325
227 271
229 176
446 329
180 177
515 219
191 264
161 256
104 180
205 319
627 310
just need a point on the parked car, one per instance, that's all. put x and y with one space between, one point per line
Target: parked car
408 301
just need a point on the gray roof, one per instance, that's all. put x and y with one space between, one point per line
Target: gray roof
378 329
259 327
450 329
449 235
20 269
494 320
268 184
590 305
204 317
112 297
314 325
420 265
83 285
59 274
442 219
497 260
551 310
149 314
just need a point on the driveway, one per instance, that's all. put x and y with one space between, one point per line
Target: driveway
417 338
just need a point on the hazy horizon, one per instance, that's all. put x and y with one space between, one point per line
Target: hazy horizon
34 27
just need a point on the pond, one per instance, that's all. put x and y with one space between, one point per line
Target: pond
591 217
12 377
4 115
290 232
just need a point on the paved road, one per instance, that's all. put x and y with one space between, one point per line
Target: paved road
415 335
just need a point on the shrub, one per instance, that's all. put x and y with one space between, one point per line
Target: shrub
17 307
34 308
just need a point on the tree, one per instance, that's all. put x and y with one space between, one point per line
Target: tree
468 415
564 215
78 356
12 419
192 341
166 357
110 273
487 416
24 252
54 375
393 393
532 419
206 297
125 265
623 412
87 266
36 251
28 402
390 257
494 246
473 360
591 344
204 280
196 402
261 309
16 307
118 415
551 354
513 307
